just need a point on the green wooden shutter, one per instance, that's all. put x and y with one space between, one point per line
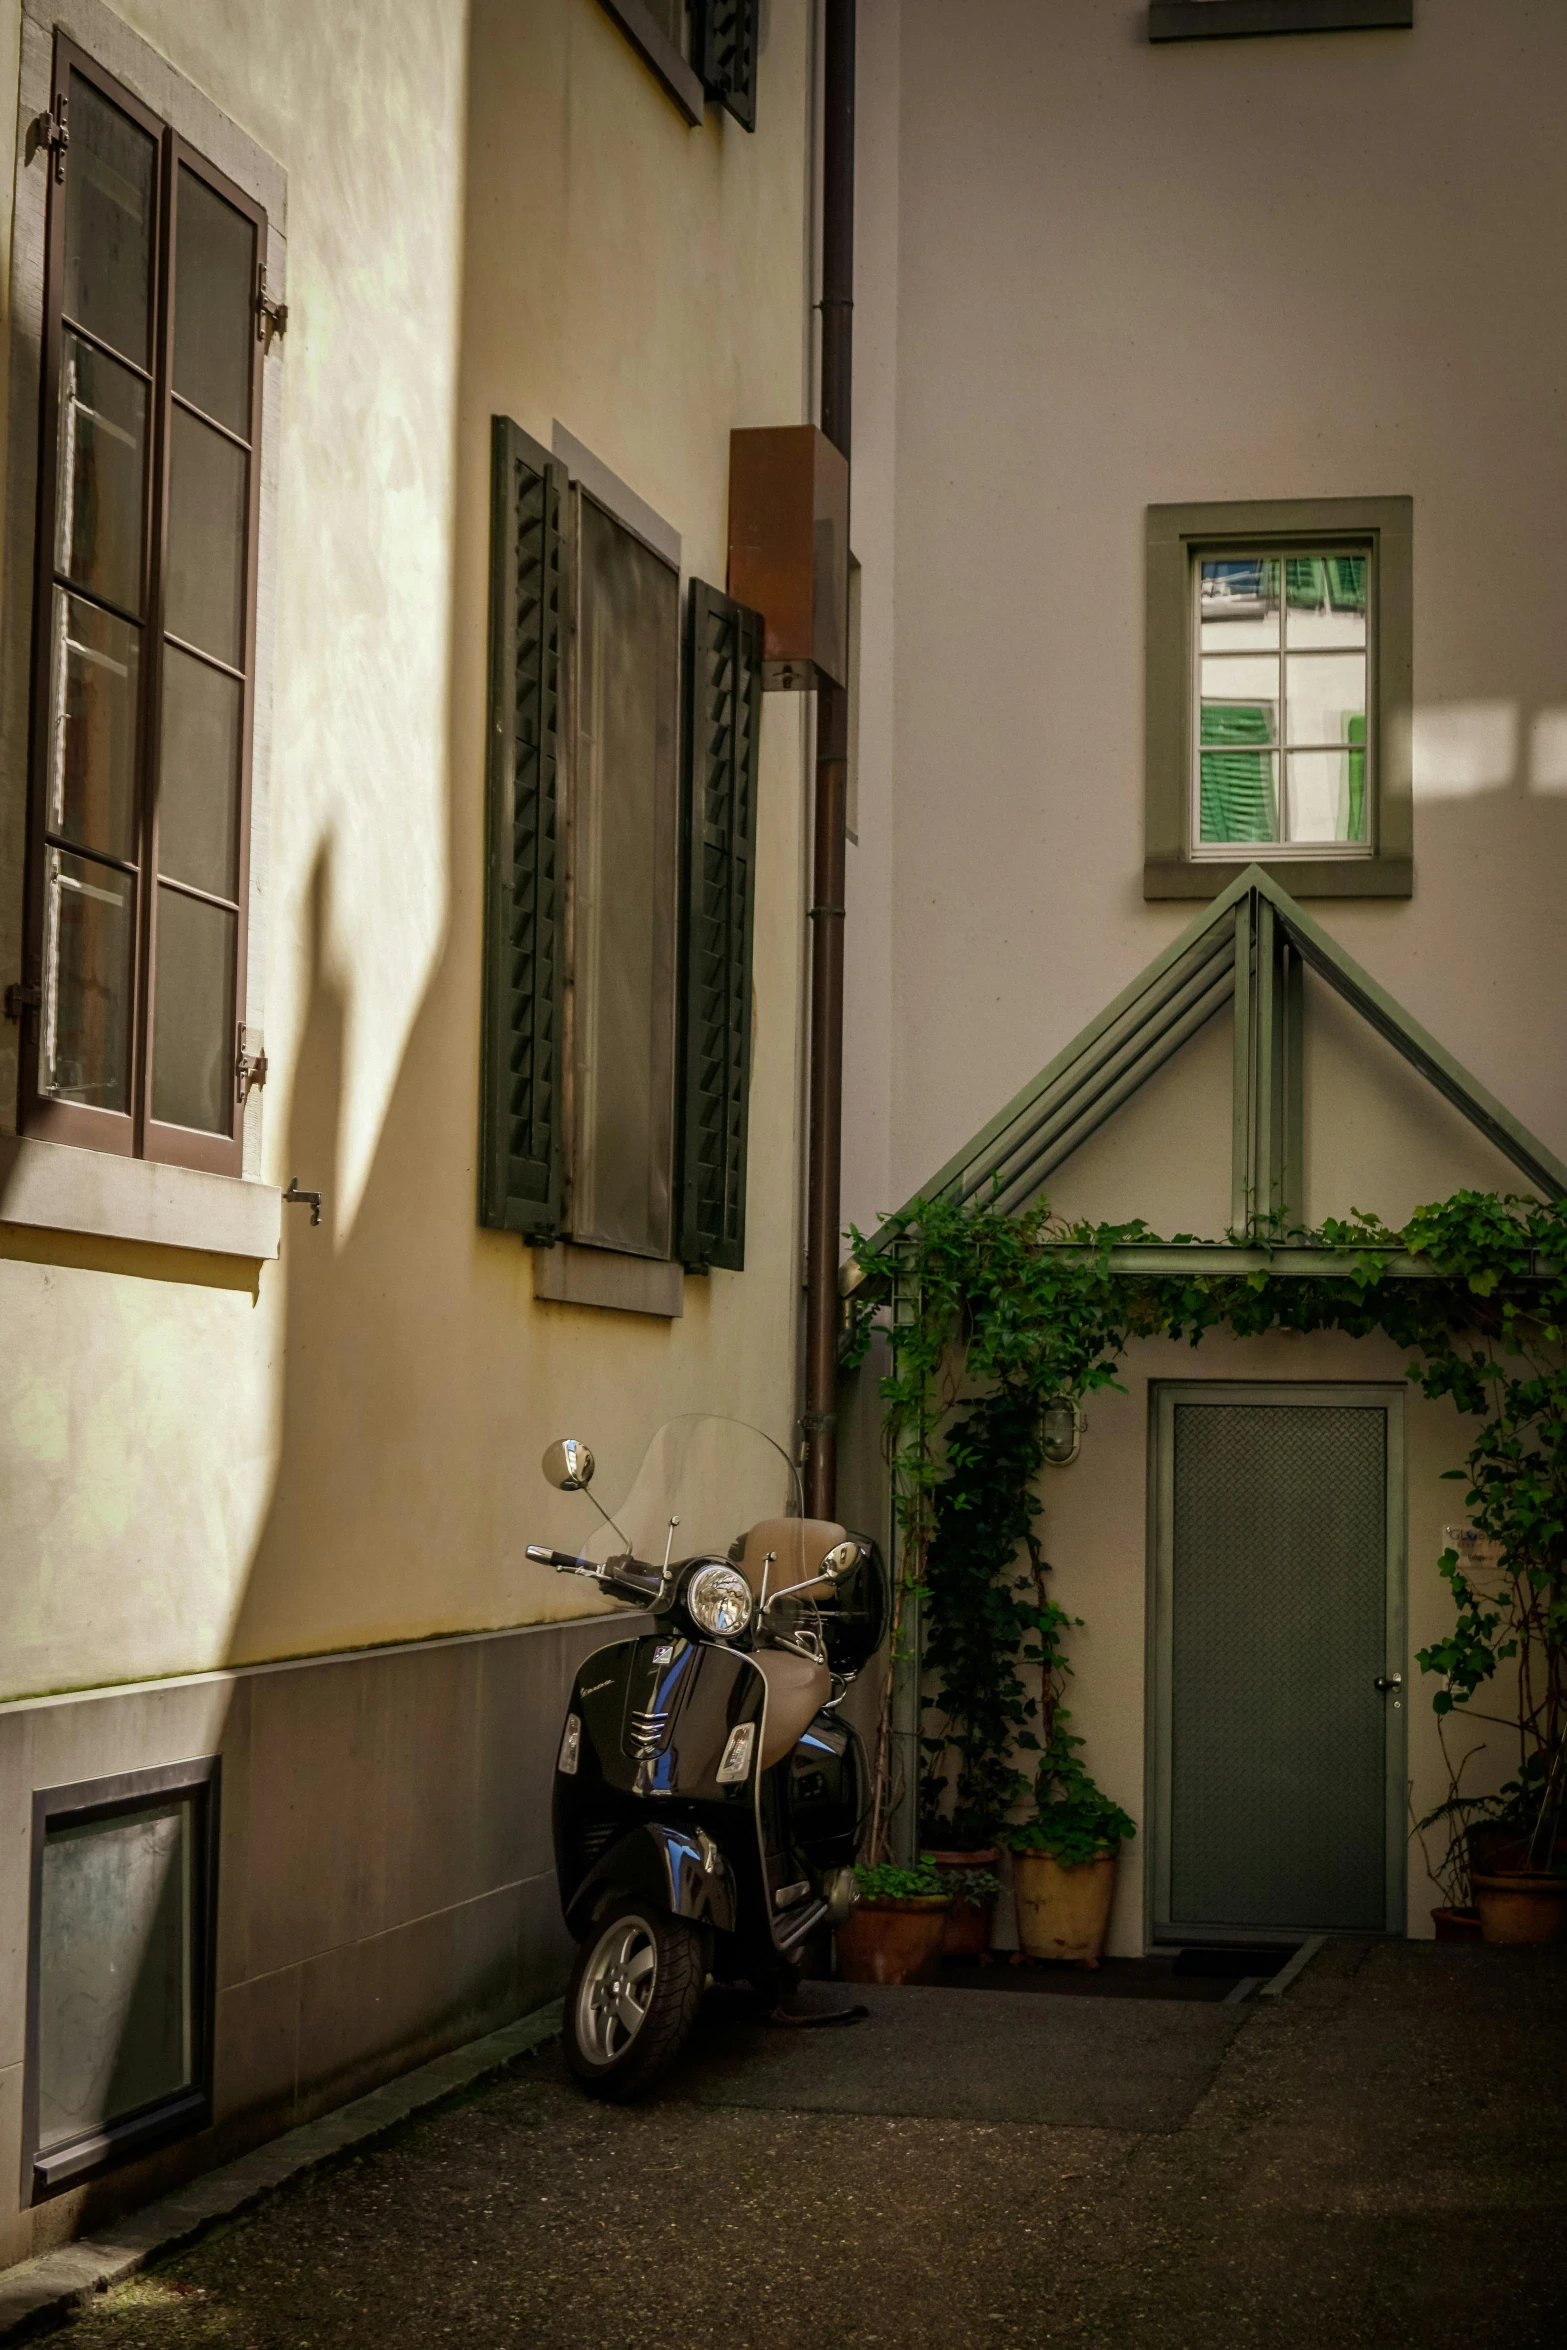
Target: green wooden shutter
520 1137
725 40
723 728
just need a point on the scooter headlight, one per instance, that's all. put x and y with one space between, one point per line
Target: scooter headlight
720 1600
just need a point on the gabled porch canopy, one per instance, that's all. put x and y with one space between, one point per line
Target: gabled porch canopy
1249 948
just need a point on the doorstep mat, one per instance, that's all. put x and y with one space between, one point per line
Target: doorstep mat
980 2056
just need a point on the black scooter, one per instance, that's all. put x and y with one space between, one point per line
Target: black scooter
709 1803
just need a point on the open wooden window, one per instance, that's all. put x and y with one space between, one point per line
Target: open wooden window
143 637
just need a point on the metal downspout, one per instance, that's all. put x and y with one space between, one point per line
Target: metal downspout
823 1164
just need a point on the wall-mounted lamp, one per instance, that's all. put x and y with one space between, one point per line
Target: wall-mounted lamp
1062 1428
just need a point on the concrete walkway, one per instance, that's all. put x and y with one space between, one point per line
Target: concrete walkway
1379 2158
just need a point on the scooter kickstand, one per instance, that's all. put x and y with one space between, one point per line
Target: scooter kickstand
799 2019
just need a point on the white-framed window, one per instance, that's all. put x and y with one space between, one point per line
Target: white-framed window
1282 645
1279 696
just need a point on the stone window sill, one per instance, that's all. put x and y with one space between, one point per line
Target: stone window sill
570 1276
53 1187
642 29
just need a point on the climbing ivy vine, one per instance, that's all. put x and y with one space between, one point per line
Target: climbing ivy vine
989 1317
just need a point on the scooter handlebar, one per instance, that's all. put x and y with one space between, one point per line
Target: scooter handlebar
564 1562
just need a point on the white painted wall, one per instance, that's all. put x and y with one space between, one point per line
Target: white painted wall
1112 276
1118 275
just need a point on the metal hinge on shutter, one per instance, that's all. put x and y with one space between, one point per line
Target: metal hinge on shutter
271 316
49 135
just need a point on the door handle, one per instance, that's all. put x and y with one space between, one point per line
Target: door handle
1387 1681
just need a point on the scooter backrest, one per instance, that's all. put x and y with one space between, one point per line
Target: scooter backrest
800 1545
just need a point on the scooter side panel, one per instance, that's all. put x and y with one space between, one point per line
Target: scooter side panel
675 1868
656 1715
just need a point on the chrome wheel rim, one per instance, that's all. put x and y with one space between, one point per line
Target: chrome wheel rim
616 1990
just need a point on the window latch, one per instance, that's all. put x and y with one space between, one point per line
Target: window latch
271 316
49 134
250 1071
22 996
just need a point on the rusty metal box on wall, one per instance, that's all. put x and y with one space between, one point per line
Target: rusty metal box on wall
789 550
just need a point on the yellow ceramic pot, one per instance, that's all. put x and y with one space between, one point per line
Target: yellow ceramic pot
1063 1912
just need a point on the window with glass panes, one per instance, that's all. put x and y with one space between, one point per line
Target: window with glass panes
144 635
1283 644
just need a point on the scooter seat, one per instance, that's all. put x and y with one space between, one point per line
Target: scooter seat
797 1689
798 1545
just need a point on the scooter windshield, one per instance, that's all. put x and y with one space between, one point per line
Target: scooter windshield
706 1485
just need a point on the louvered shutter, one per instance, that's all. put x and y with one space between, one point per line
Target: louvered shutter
520 1139
726 43
723 728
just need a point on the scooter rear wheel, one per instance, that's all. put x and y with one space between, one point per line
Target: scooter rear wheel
632 1999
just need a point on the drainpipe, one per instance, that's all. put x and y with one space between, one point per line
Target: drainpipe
823 1165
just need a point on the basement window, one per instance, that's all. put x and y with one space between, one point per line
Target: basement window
1278 656
119 2045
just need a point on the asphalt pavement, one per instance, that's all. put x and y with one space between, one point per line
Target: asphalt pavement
1379 2157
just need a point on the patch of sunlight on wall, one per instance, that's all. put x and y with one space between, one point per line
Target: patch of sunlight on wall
1462 749
1548 752
363 103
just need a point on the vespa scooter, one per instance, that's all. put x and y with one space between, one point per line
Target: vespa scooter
709 1801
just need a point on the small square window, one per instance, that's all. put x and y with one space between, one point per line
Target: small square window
1278 690
119 2041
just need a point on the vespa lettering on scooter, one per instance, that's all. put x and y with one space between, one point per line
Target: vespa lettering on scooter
709 1802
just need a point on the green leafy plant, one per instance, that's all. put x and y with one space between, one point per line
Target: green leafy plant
975 1886
1072 1819
990 1316
882 1882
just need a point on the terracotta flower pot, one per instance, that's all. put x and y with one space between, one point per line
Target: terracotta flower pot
1515 1907
1456 1925
1063 1912
893 1941
970 1924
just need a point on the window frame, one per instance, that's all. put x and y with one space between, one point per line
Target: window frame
136 1133
582 490
1177 535
84 1804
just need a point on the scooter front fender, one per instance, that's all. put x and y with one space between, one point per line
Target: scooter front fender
674 1867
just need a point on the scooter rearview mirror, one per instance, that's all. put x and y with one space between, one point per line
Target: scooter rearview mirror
568 1464
841 1557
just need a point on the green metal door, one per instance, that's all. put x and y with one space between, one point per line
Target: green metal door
1278 1767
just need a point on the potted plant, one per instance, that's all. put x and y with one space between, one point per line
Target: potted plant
970 1877
894 1932
1064 1856
1508 1576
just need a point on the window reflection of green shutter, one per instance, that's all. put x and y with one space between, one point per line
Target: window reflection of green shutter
1355 732
1347 582
1306 585
723 729
520 1137
1237 796
725 36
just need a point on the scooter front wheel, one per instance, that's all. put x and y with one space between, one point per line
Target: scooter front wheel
632 1999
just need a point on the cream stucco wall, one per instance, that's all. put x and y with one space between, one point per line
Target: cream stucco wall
492 209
